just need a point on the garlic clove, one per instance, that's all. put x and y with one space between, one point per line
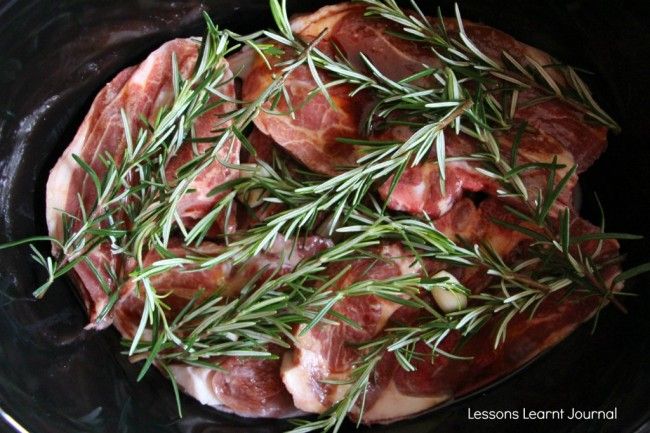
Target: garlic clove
447 299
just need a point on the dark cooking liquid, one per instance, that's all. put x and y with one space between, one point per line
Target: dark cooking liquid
56 55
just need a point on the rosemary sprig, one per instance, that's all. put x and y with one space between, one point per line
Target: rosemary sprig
265 314
137 217
516 290
461 52
349 187
256 240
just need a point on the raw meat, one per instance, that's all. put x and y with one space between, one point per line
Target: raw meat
246 386
326 352
465 211
139 90
311 136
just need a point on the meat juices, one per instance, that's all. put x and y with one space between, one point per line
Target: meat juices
271 388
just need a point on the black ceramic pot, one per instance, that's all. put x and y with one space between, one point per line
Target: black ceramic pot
56 377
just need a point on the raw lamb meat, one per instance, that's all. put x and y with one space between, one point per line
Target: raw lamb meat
300 380
138 90
248 387
311 135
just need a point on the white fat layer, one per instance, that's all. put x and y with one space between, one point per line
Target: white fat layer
407 266
562 157
58 184
393 405
418 192
324 18
297 381
197 382
445 205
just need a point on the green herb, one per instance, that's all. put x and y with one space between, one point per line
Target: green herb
136 207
